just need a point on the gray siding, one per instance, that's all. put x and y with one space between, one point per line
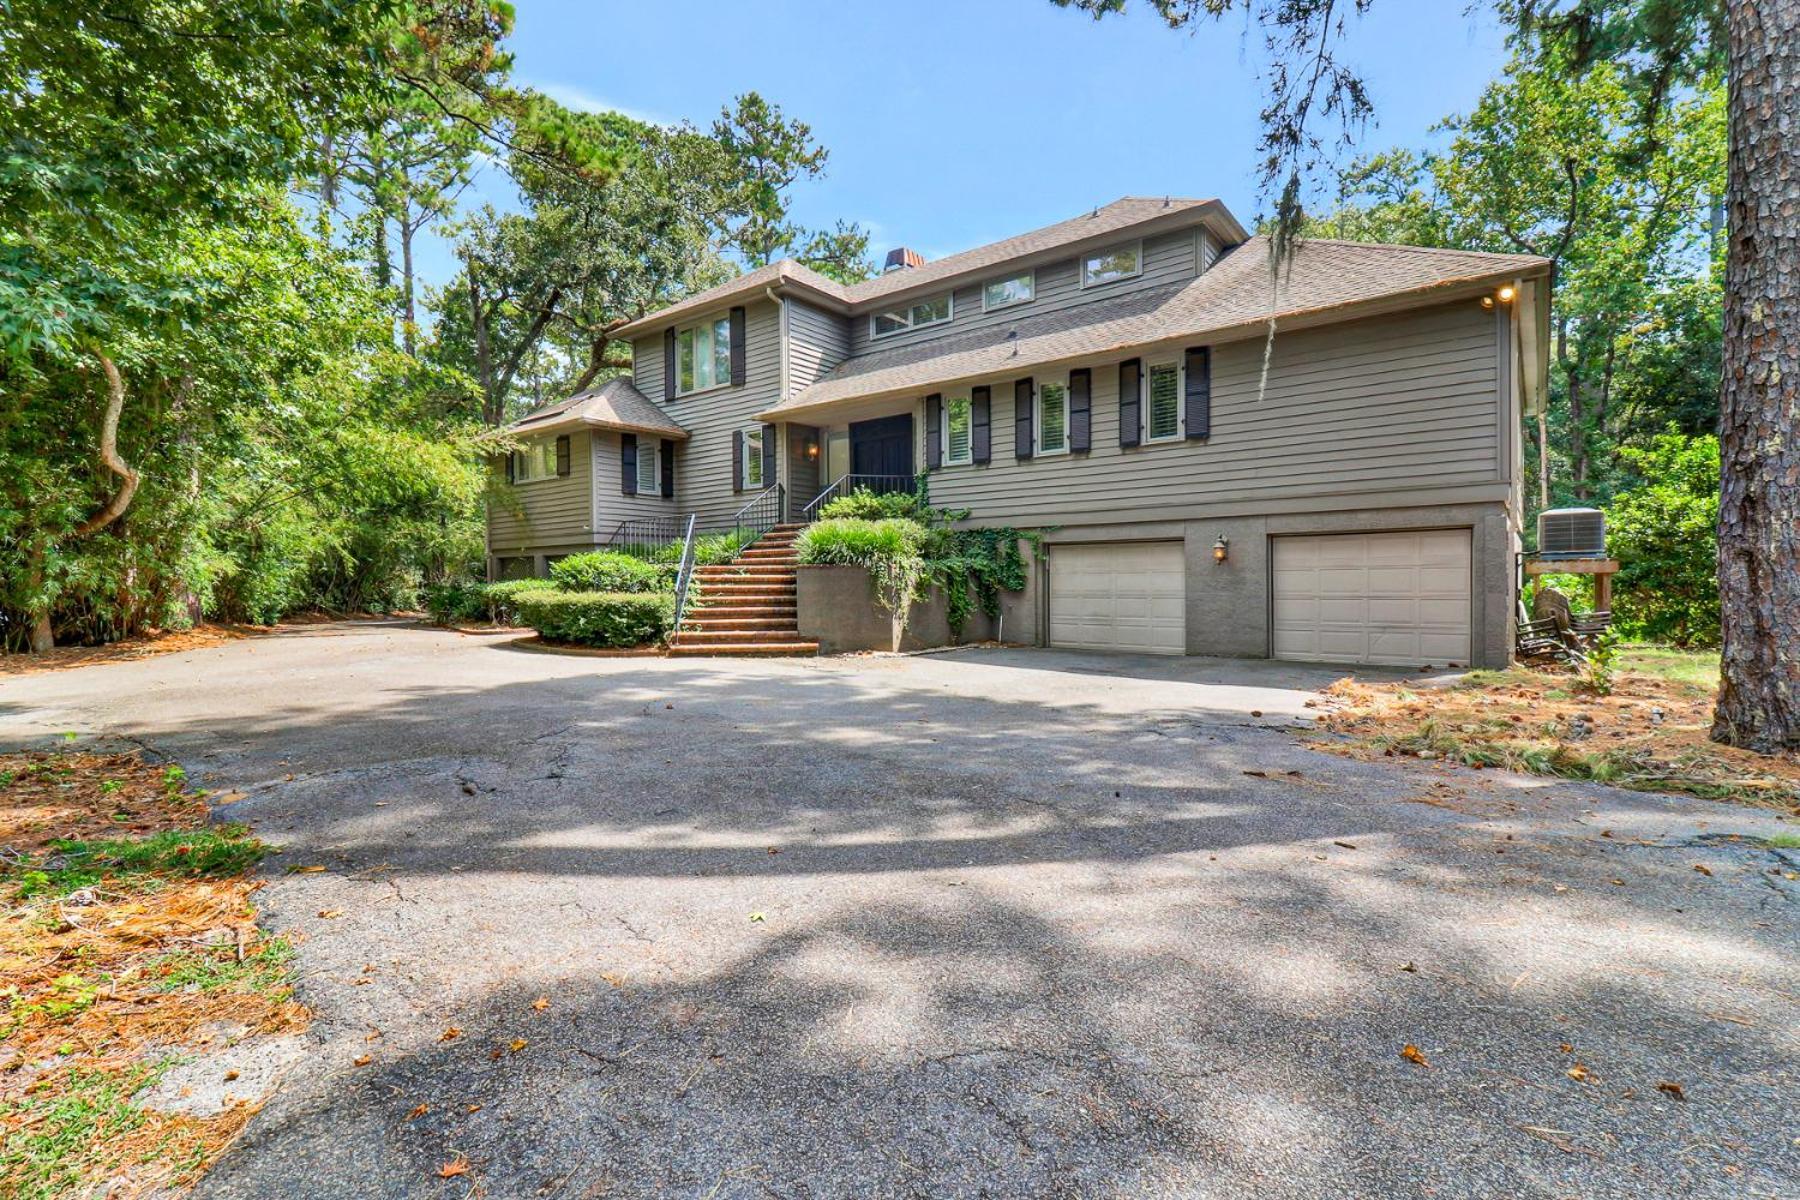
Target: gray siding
801 474
1371 408
703 462
1168 258
546 513
817 341
611 504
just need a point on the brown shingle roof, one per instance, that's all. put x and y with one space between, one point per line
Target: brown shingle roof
1234 298
1119 217
615 404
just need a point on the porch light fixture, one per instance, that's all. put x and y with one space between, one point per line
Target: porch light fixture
1487 302
1221 548
1506 294
812 449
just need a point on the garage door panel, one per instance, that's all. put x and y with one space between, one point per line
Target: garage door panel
1395 598
1129 597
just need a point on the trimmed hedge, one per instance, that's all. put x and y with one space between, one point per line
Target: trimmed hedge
609 571
609 619
503 598
874 506
856 542
461 603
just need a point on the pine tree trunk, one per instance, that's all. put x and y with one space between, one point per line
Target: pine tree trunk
1759 417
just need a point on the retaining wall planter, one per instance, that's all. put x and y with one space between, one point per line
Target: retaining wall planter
837 608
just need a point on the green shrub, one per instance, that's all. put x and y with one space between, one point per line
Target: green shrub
501 599
611 619
858 542
1664 532
455 603
609 571
863 504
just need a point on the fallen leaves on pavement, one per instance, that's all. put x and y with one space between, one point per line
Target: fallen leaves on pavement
1413 1054
456 1166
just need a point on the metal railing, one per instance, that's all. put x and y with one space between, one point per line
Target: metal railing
880 485
684 574
646 537
760 515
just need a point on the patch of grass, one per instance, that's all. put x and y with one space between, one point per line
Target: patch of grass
1693 668
140 863
262 971
1784 841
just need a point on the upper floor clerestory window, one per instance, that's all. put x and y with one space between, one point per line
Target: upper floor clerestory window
913 316
1120 262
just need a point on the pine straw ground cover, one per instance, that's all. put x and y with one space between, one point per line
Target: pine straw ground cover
171 641
127 941
1650 733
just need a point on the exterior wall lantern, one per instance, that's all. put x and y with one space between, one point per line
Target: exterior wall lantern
812 448
1221 548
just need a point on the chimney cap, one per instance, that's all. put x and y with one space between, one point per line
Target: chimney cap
900 258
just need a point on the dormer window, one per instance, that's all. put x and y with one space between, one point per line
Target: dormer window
1004 293
1119 262
913 316
703 356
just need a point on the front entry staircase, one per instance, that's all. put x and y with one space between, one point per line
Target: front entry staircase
746 606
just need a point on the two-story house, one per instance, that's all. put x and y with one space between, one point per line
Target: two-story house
1317 460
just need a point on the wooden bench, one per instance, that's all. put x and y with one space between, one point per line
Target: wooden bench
1543 639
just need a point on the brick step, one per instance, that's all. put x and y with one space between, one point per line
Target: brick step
745 649
741 567
740 594
753 611
779 553
726 637
700 624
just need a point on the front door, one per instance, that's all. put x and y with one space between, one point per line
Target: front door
882 447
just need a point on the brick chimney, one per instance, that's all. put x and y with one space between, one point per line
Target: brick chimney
902 259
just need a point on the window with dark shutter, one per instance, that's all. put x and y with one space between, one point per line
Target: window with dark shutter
934 432
1081 410
1022 402
1130 385
738 346
667 450
628 471
511 469
768 455
981 435
562 455
669 363
1199 393
737 460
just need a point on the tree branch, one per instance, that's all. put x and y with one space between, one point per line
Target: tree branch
109 453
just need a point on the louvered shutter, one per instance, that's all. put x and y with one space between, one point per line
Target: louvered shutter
934 431
1022 439
628 452
768 456
738 348
667 474
737 460
1131 375
562 455
1081 410
510 476
981 436
669 363
1199 393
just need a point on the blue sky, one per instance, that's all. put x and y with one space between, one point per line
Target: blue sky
953 124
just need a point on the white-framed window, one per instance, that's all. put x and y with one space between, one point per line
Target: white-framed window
1053 417
753 456
916 315
1119 262
649 461
1162 402
959 436
1004 293
535 460
703 356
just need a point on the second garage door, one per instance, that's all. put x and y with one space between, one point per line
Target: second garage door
1400 599
1129 597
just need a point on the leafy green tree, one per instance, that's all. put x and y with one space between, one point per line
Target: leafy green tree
1664 532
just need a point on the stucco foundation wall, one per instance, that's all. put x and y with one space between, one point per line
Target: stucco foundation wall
837 608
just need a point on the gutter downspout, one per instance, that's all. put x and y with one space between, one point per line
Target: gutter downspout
781 458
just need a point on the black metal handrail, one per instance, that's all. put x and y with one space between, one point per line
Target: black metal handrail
881 485
684 573
760 515
647 536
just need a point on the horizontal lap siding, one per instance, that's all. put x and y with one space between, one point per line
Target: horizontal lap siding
558 511
1168 258
1368 407
817 342
703 462
610 502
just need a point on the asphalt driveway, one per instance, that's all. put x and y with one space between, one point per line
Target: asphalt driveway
992 923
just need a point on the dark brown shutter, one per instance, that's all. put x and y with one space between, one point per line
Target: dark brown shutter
510 459
934 431
768 456
737 460
669 363
981 434
562 455
1199 393
667 474
738 348
1022 397
1081 410
1131 389
628 452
